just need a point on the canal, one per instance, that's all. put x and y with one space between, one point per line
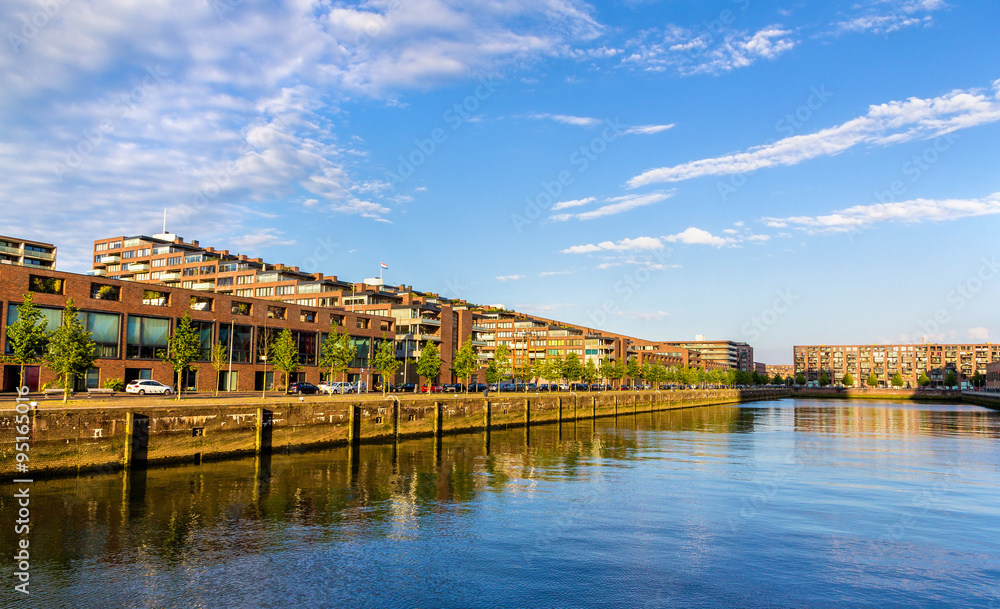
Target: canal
790 503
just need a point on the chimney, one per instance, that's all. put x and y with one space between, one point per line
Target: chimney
210 250
195 243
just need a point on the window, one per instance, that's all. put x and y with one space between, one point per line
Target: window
282 290
190 272
276 312
241 308
385 326
247 293
336 320
133 242
362 347
114 245
173 260
158 262
45 285
204 331
146 336
155 298
241 341
262 292
103 328
267 278
129 254
142 253
53 317
308 302
306 344
100 291
141 277
163 249
244 279
224 282
363 323
328 302
193 258
207 270
201 303
100 247
307 316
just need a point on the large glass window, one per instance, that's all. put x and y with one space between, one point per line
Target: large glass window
53 317
146 336
241 346
103 328
204 331
306 343
362 346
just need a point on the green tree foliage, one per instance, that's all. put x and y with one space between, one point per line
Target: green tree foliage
572 368
897 380
633 370
777 380
466 363
183 347
848 380
27 336
978 379
590 373
337 353
285 355
70 351
923 380
429 362
824 379
386 363
950 379
800 379
872 380
220 358
606 369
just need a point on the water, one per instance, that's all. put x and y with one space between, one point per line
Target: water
794 503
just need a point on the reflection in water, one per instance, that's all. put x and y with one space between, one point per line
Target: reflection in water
792 503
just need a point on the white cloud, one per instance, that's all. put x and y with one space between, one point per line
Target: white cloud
264 238
614 206
509 277
648 129
644 315
979 335
887 16
697 236
574 203
576 121
701 51
555 273
889 123
912 211
639 243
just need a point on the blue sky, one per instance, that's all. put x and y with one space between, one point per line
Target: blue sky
776 172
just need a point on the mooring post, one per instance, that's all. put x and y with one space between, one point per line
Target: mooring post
264 431
559 409
438 418
527 412
129 430
354 420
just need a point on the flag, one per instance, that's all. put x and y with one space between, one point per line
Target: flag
384 265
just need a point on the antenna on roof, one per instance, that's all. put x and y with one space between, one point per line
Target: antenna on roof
164 219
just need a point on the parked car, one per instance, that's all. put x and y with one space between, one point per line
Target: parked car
301 388
532 387
431 389
389 387
144 386
359 387
454 388
506 387
477 387
408 387
336 387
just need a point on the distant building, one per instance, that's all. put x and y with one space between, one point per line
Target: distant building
760 367
733 355
784 370
885 361
21 252
993 376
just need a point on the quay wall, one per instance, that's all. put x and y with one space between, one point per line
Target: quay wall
67 441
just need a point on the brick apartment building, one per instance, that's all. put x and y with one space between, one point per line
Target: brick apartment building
420 317
21 252
130 322
885 361
733 355
784 370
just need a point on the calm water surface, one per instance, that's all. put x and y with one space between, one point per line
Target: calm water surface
794 503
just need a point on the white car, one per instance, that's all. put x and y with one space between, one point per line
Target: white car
142 387
336 387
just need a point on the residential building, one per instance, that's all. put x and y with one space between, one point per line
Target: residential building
784 370
733 355
21 252
885 361
130 323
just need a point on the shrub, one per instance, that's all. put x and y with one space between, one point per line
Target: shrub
114 384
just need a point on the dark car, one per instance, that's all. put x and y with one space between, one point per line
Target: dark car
477 387
407 387
300 388
454 388
388 387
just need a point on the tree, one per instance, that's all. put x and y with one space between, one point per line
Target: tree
633 370
950 379
386 363
572 368
590 373
285 355
872 380
848 380
617 373
337 353
824 379
978 379
183 347
789 381
465 363
606 369
27 336
897 380
554 367
429 362
70 352
220 357
800 379
501 356
777 380
923 380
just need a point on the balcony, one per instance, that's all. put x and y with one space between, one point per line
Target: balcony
479 343
203 286
10 250
39 255
138 267
476 328
419 337
109 259
96 272
170 277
